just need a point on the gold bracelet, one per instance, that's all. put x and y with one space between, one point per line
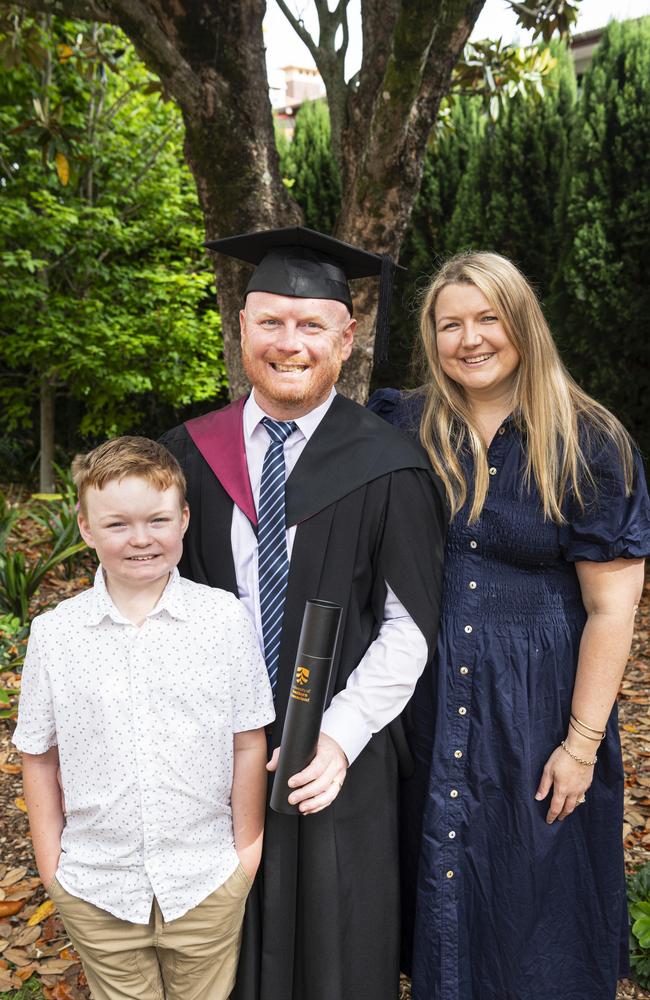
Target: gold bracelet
595 739
590 728
587 763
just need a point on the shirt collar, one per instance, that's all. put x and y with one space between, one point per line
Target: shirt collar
102 605
307 424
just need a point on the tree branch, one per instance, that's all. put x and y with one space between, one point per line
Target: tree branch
300 29
138 19
84 10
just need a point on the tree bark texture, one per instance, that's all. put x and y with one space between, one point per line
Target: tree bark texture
46 470
210 57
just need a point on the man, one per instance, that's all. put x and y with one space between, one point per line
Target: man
298 493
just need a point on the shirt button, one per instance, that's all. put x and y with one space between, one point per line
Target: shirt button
462 710
450 874
501 430
468 629
473 544
472 584
458 754
492 470
451 834
453 793
464 670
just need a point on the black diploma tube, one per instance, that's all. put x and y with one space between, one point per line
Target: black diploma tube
311 676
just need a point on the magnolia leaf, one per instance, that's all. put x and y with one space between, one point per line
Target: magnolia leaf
44 911
62 167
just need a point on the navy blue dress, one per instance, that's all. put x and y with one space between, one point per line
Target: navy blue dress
508 907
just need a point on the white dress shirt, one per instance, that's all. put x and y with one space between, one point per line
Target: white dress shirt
382 683
144 719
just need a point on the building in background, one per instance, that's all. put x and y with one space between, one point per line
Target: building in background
289 88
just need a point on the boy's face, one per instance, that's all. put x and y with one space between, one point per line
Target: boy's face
136 529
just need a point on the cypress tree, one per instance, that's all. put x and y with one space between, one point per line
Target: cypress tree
509 199
308 161
426 243
603 291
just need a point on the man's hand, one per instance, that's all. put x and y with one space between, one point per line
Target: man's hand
320 782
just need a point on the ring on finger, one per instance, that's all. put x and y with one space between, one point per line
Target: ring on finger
582 799
335 781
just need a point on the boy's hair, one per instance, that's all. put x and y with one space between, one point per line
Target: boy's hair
127 456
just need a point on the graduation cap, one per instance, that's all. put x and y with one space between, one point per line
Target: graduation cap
302 263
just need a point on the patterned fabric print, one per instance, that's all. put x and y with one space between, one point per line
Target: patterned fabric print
144 720
273 563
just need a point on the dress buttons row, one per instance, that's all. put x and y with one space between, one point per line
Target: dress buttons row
451 834
473 544
492 470
472 584
458 754
462 710
464 670
453 793
450 874
468 629
501 431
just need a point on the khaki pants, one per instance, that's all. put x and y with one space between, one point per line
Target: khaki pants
191 958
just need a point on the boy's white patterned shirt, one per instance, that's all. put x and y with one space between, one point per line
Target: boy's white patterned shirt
144 719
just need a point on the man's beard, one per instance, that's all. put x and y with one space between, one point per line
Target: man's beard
310 389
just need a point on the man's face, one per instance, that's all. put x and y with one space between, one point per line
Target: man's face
293 350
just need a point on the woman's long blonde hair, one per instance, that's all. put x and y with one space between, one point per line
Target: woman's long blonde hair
548 405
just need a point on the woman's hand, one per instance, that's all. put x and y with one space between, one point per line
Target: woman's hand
568 779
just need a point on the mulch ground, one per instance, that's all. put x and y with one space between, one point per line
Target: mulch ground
33 944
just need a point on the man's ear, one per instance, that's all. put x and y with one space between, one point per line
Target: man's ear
242 325
348 339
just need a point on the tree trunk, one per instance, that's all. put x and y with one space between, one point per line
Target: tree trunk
46 476
210 58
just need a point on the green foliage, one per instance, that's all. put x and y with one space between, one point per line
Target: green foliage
20 579
308 163
57 514
13 636
8 517
489 185
30 990
603 294
508 200
426 241
638 895
105 293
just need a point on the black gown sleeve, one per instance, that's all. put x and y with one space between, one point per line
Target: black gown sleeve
412 547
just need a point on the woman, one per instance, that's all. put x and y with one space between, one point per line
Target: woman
520 892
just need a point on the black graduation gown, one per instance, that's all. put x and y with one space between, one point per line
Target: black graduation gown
322 921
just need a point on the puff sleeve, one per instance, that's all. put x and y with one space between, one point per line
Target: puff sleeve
612 525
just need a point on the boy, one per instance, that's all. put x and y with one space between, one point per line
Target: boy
150 693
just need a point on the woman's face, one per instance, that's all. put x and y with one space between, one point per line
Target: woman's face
473 347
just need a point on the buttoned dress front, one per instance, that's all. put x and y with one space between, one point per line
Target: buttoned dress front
509 907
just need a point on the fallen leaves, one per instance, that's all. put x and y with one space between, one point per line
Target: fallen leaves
45 910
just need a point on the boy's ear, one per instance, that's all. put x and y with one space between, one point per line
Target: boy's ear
84 530
185 518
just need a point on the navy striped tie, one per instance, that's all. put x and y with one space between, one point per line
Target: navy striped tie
272 559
